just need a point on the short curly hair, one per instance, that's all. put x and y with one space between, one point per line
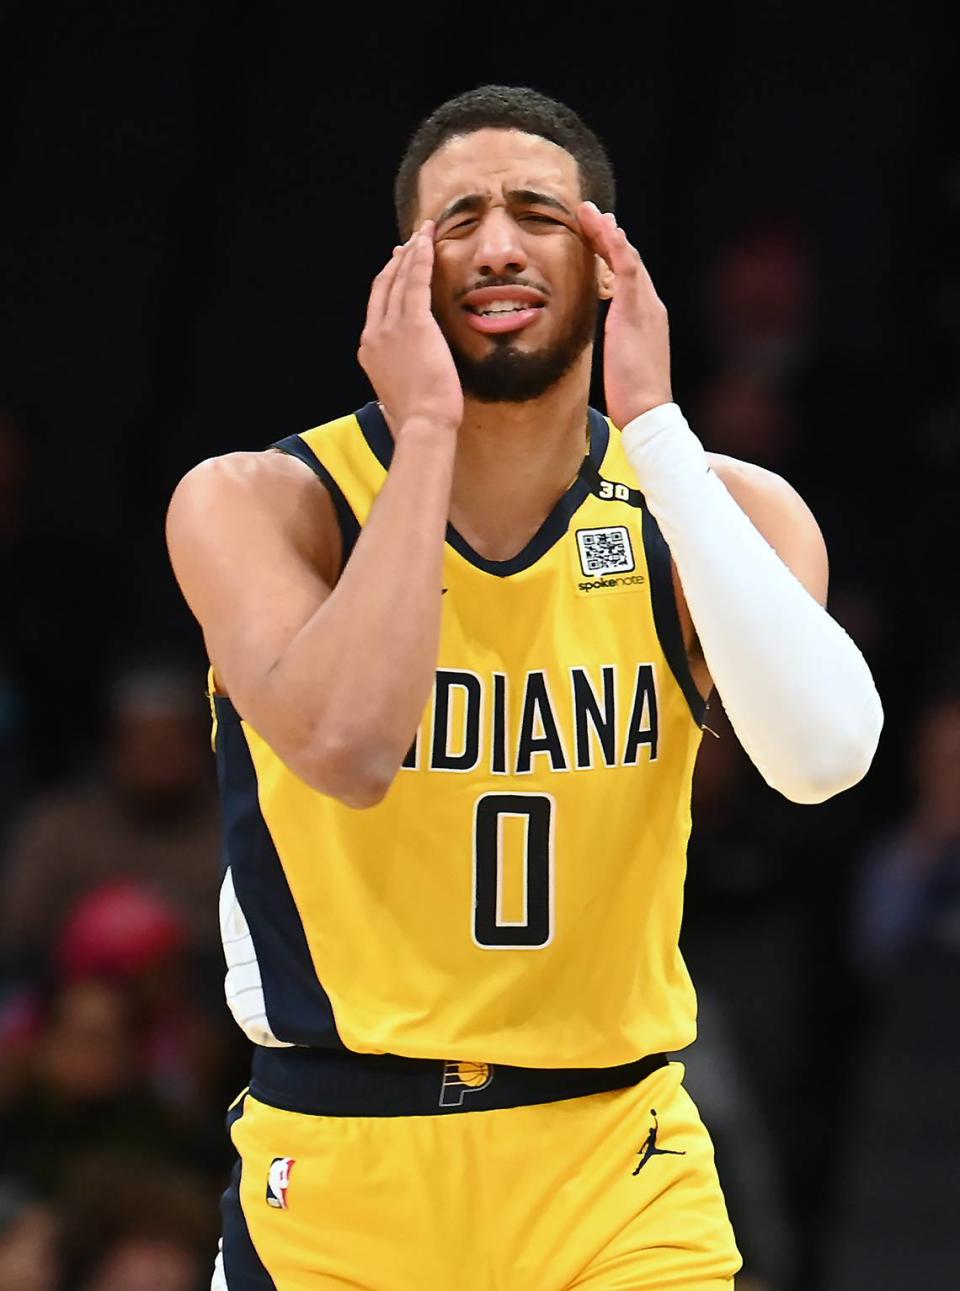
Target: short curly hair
505 107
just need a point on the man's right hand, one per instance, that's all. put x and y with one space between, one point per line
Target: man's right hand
402 349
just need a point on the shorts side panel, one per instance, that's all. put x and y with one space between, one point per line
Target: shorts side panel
657 1213
238 1266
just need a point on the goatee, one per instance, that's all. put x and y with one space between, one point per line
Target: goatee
510 375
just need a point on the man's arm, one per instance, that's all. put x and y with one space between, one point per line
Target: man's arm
780 514
798 692
332 671
334 681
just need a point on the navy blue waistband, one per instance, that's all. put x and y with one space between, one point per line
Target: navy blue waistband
322 1082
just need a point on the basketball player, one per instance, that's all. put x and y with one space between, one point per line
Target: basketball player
462 642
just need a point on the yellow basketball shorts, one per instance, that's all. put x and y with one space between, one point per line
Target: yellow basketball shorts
613 1190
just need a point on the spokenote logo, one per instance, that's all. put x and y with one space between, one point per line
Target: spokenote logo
634 580
278 1181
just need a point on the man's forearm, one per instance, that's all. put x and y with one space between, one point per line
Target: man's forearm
364 662
796 688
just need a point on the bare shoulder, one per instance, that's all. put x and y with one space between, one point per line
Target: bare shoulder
255 548
781 515
256 478
230 500
752 483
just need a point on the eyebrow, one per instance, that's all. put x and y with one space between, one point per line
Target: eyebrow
515 197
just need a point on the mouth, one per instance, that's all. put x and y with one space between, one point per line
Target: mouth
504 320
503 309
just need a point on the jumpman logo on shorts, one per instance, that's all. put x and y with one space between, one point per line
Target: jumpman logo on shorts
650 1148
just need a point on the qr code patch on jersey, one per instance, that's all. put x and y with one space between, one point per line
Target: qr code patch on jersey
605 551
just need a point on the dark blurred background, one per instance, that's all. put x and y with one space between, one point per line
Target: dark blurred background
195 197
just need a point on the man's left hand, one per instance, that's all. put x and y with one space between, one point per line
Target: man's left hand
636 358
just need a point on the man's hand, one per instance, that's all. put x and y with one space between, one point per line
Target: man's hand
636 358
402 349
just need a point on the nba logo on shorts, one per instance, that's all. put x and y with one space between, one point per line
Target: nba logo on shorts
462 1078
278 1181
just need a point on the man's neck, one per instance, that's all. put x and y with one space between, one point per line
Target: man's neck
515 461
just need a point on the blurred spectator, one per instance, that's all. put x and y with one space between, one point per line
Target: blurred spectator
910 886
126 933
122 929
19 1027
28 1241
146 811
146 1264
138 1230
83 1092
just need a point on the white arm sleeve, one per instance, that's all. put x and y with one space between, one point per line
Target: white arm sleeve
798 692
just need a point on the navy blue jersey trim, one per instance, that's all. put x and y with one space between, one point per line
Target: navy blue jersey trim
242 1266
591 473
298 1008
295 446
666 616
318 1083
377 434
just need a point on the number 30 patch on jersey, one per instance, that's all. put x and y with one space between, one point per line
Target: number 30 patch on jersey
605 551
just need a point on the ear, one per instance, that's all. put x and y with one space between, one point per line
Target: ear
604 278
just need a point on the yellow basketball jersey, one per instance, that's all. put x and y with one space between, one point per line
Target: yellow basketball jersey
516 898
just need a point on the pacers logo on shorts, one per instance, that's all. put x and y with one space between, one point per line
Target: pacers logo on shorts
278 1181
462 1078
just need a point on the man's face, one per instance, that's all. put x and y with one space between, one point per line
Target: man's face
514 281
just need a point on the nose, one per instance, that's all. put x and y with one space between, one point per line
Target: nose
498 248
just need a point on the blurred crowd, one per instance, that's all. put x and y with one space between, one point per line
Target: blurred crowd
824 941
116 1058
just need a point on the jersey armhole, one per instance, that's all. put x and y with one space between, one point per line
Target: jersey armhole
666 616
347 522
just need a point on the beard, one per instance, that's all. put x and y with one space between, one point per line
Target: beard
510 375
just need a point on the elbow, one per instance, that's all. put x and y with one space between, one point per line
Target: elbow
341 768
831 772
338 755
835 765
811 785
812 789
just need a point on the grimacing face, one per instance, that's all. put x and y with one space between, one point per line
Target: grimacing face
516 286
